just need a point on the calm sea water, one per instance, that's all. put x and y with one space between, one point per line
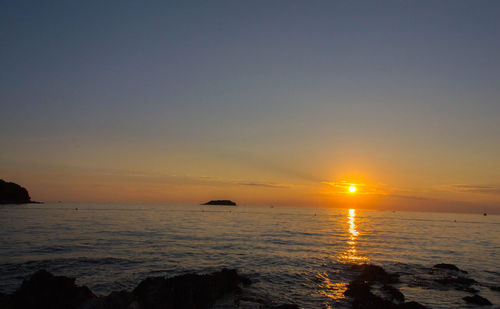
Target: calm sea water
293 255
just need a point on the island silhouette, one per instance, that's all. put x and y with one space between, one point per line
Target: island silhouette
221 203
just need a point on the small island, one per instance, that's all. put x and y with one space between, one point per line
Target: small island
221 203
12 193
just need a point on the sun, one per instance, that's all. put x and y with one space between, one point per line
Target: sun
352 189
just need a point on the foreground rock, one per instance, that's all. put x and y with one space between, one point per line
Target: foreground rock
477 300
495 288
284 306
388 296
393 294
187 291
221 203
12 193
46 291
412 305
373 287
449 276
458 283
448 267
374 273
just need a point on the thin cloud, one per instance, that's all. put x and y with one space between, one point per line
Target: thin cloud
409 197
162 178
489 189
266 185
188 179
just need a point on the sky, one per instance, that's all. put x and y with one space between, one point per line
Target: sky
284 103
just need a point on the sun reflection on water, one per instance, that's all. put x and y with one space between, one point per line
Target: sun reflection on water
352 225
332 290
335 290
351 254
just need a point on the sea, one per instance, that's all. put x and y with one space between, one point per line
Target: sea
292 255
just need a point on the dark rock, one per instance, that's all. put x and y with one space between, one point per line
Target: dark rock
448 267
457 282
4 301
187 291
469 290
477 300
374 273
412 305
12 193
364 298
360 288
221 202
44 290
495 288
115 300
393 294
286 306
357 288
372 301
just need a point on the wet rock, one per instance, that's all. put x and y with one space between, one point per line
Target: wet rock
372 302
393 294
495 288
187 291
470 290
357 289
115 300
451 278
285 306
448 267
364 298
4 301
477 300
374 273
263 303
44 290
458 282
412 305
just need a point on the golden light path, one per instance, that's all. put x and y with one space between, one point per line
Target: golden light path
335 290
352 226
332 290
350 255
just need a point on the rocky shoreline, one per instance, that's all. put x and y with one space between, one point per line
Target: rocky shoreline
375 288
372 287
44 290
